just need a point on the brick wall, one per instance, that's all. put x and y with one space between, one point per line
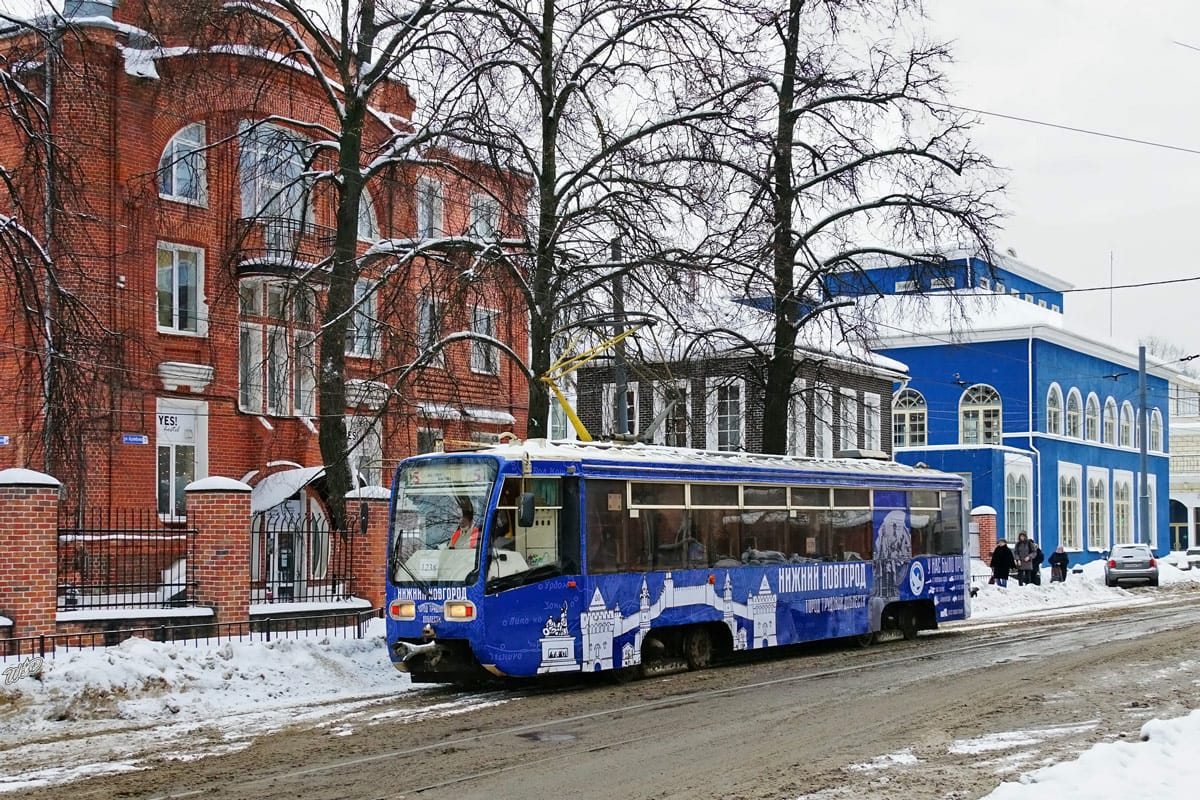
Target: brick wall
28 542
987 535
370 551
219 509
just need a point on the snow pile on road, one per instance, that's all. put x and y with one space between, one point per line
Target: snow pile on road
1157 766
145 681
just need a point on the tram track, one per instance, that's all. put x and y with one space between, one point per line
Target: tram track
1102 626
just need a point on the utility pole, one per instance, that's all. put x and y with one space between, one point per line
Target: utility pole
1144 423
620 401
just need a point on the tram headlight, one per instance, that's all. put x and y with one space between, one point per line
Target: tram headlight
402 610
459 610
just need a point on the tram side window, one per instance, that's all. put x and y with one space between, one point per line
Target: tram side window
812 535
548 547
615 543
937 531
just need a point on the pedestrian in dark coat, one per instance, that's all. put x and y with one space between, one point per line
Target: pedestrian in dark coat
1038 555
1023 553
1058 565
1002 562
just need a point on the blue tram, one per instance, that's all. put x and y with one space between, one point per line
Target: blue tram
534 557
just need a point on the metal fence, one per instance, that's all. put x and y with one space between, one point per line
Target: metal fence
298 557
124 559
344 624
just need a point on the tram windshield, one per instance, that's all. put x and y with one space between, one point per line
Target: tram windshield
437 524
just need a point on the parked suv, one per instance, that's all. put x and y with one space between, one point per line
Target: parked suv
1131 562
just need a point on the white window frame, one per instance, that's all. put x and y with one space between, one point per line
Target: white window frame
947 282
485 358
682 389
1070 527
716 415
173 434
907 286
483 220
907 407
1126 425
198 309
1054 410
822 406
1074 416
980 416
362 328
1109 426
277 355
430 319
847 419
250 368
872 421
430 213
185 153
608 409
1098 533
304 372
1124 496
1016 502
984 283
1091 418
272 166
1155 443
798 419
368 222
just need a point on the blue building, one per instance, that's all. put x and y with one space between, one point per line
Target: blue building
1041 420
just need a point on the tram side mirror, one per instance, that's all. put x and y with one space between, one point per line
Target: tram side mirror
526 510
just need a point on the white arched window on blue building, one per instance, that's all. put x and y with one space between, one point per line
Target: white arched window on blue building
1016 504
979 414
1091 419
1054 410
1074 414
1110 421
1156 432
1127 425
909 415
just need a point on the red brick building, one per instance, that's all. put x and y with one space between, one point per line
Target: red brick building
194 262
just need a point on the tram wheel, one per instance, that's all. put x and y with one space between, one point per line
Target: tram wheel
697 648
866 639
908 624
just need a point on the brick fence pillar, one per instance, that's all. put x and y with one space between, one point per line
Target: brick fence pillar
218 509
370 551
985 518
29 550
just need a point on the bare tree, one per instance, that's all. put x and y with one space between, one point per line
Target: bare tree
65 361
842 153
596 102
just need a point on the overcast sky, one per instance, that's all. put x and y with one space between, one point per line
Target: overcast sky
1112 67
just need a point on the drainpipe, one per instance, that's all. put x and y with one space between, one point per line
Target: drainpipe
1037 453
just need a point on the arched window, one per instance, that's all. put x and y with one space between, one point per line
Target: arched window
1068 512
1110 421
1074 415
909 415
275 186
1091 422
979 414
1054 410
1097 514
1156 431
1127 425
181 170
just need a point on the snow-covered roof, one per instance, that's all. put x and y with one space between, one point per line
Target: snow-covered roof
273 489
639 455
490 415
1003 261
717 325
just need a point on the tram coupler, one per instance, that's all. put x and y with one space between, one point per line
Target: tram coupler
406 651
